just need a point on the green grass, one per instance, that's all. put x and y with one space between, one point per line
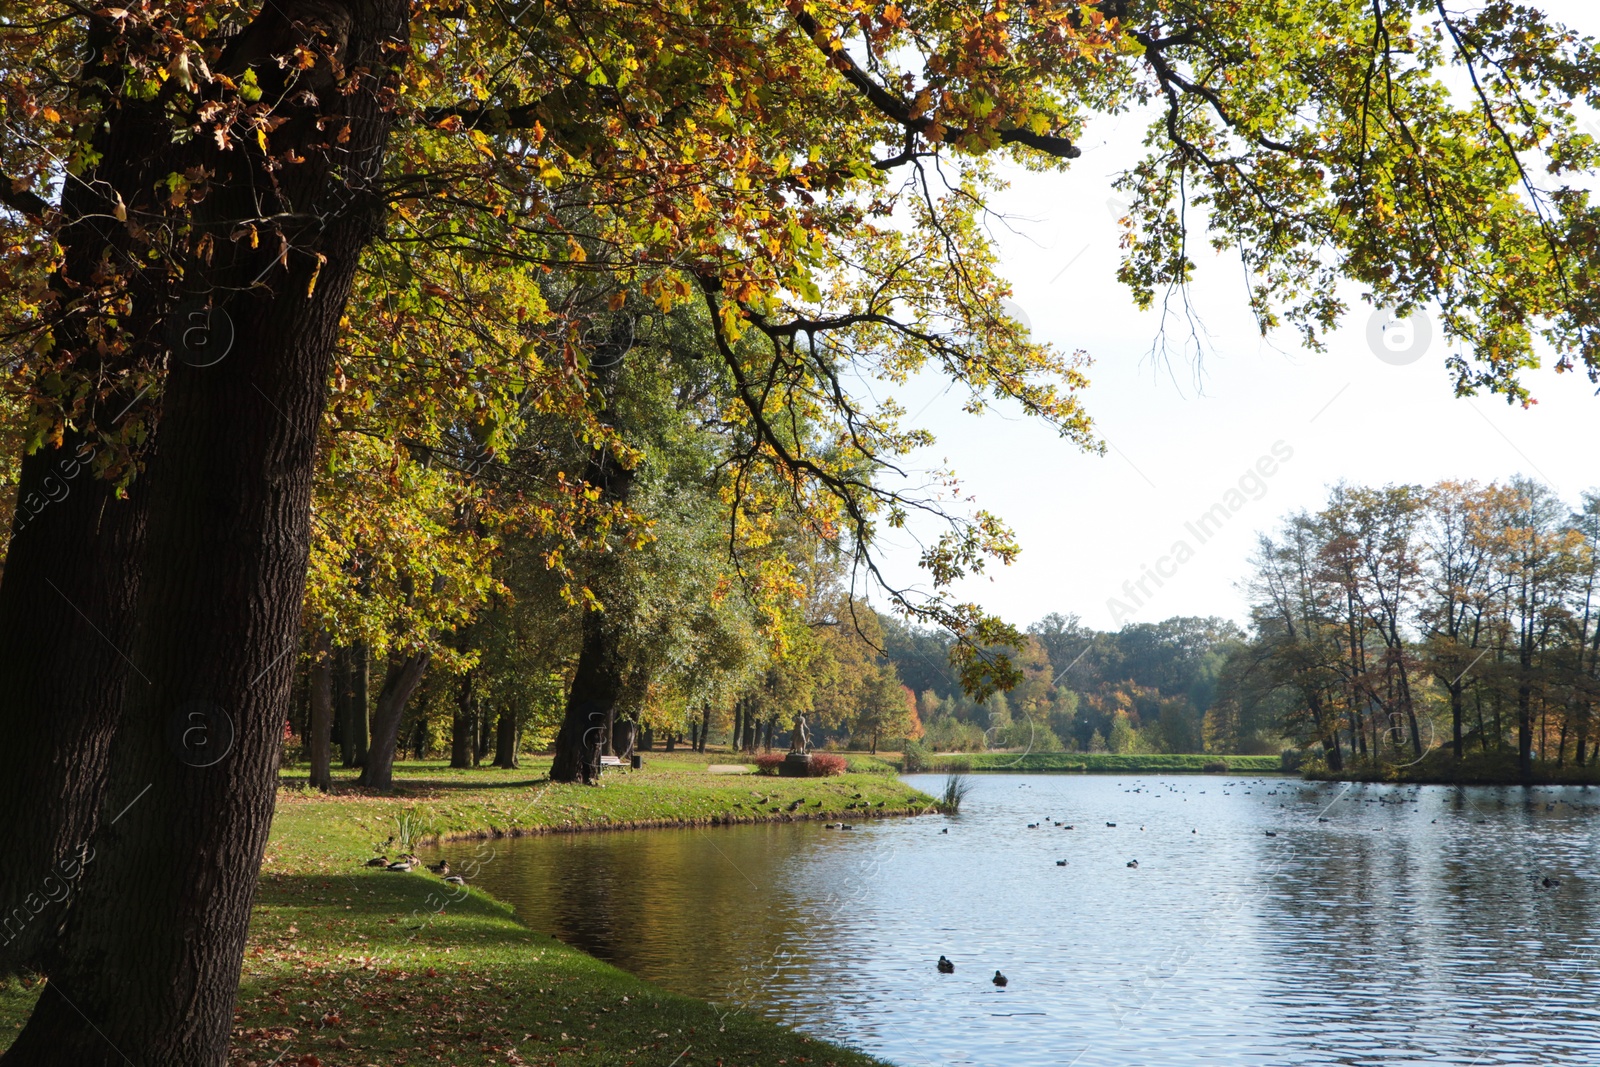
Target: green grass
1103 763
351 966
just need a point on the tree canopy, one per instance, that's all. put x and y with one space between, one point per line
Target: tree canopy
386 265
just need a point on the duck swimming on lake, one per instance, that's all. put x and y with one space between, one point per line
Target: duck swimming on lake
998 979
946 967
1134 864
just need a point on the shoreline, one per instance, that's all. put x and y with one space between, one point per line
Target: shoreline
1500 782
347 964
1439 767
494 834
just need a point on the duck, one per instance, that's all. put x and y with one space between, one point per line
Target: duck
1550 883
945 830
998 979
1111 824
1134 864
378 861
456 879
1061 863
1272 833
441 868
404 863
945 966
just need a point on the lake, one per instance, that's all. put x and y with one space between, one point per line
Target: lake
1268 921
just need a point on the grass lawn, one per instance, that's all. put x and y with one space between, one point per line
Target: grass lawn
352 966
1106 763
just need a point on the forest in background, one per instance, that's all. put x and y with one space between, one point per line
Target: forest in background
1392 623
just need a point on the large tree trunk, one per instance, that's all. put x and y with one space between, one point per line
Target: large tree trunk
461 725
66 618
399 682
318 742
705 726
624 731
483 721
150 955
352 672
341 706
591 703
506 738
597 679
71 580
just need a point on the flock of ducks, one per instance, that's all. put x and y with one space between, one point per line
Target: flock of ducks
946 967
408 862
1412 798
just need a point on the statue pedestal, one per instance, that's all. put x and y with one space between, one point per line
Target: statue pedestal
795 765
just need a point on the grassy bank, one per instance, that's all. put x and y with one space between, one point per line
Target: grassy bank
1475 768
347 965
1106 763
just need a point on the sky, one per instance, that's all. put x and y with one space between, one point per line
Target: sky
1180 437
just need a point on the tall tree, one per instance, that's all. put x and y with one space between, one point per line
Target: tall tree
781 166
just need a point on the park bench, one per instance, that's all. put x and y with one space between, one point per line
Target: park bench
618 761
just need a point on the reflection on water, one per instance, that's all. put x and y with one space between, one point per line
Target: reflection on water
1374 924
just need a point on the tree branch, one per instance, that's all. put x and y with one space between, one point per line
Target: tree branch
16 195
894 108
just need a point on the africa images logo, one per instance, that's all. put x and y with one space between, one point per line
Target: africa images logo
1399 339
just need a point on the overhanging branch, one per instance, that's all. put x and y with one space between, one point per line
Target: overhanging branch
16 195
894 108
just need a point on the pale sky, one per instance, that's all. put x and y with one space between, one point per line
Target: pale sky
1088 524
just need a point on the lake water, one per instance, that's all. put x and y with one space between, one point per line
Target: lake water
1376 925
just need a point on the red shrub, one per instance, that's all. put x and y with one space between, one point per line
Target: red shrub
826 765
769 762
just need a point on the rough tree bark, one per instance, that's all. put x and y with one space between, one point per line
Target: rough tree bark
70 586
399 682
506 739
150 955
591 702
352 672
66 612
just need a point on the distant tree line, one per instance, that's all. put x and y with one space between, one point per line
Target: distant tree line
1401 619
1149 687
